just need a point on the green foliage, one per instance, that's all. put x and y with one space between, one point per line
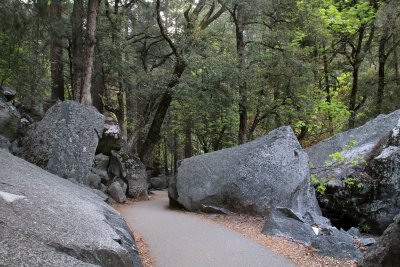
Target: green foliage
364 226
353 182
320 184
296 67
334 159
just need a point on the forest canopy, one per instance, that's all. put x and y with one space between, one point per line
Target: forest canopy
183 78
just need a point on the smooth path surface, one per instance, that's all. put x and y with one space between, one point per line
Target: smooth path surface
177 239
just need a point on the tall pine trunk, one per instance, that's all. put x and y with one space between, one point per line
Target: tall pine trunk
381 74
77 48
56 53
90 41
240 49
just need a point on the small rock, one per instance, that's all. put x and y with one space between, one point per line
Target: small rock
367 241
4 142
8 93
354 232
215 210
101 162
93 180
117 192
159 183
102 174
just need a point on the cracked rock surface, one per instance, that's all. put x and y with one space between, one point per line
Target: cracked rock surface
54 222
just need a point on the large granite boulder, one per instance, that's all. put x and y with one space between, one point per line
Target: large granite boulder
360 173
65 141
252 178
365 136
49 221
386 252
130 170
10 120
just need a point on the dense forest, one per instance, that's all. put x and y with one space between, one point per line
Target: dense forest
187 77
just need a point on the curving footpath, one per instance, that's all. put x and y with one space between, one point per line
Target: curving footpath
177 239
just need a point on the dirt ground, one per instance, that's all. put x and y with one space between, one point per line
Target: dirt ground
251 227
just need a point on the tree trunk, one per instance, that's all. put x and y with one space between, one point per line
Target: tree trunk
153 136
353 97
176 155
121 112
93 10
166 170
56 53
98 87
77 48
396 60
357 59
240 49
188 139
381 75
327 91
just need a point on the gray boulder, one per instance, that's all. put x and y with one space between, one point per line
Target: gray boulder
104 177
111 138
362 188
132 171
65 141
286 223
366 136
117 192
252 178
8 93
327 240
159 182
49 221
334 243
10 121
386 252
4 142
101 162
93 180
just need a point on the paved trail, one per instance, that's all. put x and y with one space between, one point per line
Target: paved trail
177 239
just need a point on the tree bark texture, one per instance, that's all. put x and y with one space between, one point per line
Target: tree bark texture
90 41
240 48
77 48
56 53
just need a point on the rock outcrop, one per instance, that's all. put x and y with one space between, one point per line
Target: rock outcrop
10 120
360 170
252 178
110 139
366 136
130 170
159 182
386 252
49 221
65 141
